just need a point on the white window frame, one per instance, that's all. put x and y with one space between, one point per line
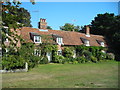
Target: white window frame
37 38
87 43
60 52
36 52
59 41
102 44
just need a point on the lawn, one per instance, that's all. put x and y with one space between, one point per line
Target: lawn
89 75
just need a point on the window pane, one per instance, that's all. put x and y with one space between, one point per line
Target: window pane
59 40
37 38
36 52
59 52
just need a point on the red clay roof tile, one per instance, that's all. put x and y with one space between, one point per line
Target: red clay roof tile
69 38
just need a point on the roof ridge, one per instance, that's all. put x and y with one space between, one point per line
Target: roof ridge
65 31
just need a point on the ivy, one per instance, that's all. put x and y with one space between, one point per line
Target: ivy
68 52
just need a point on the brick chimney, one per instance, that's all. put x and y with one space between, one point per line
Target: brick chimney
42 24
87 31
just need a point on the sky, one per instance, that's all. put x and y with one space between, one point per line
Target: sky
59 13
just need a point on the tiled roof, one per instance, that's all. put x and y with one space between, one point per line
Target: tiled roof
69 38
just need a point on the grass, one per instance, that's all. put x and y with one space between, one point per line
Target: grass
89 75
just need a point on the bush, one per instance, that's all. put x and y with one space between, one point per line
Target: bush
72 59
110 56
58 59
81 59
67 60
33 61
101 56
87 54
75 62
67 52
93 59
44 60
13 62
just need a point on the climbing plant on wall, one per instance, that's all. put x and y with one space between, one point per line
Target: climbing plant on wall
93 51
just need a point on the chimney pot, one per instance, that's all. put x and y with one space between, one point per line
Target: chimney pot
42 24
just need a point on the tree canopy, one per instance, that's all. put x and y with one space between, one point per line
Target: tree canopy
49 27
13 17
108 25
103 24
70 27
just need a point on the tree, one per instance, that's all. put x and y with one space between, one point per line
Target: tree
48 27
13 17
108 25
70 27
24 18
103 24
115 38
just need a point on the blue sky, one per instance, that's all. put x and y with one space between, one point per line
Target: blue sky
59 13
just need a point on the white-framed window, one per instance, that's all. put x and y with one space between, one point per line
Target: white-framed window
37 52
102 44
59 40
87 43
37 39
59 52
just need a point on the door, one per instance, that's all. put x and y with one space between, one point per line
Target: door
49 56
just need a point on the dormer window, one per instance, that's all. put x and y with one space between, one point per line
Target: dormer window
101 43
59 40
85 41
37 39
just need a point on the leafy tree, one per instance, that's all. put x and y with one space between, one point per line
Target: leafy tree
27 52
24 18
103 24
48 27
108 25
70 27
13 17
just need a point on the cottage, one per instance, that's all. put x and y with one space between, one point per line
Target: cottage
60 38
